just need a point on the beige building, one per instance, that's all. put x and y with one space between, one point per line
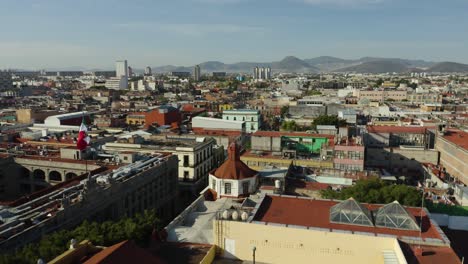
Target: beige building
425 98
381 95
453 147
286 229
401 159
197 156
290 229
150 183
25 174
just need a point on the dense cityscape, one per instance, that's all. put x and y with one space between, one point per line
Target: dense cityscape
266 164
234 131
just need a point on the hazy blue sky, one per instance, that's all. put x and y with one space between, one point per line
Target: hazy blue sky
94 33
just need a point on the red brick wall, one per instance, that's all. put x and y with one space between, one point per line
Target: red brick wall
161 119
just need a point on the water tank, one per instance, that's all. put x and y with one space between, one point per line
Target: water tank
244 216
226 214
278 184
235 215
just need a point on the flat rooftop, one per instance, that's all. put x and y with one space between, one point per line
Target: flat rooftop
398 129
290 134
457 137
290 210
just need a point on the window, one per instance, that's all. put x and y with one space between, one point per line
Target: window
234 119
245 187
227 188
186 175
186 160
213 184
125 158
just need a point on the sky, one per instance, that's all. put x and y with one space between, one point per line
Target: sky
45 34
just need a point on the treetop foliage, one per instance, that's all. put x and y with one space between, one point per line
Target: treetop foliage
108 233
377 191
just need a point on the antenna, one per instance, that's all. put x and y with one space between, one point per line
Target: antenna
421 211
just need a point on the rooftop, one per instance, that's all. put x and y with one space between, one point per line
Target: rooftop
233 168
457 137
314 213
397 129
290 134
123 252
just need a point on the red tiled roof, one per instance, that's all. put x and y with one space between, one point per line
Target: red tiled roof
124 252
290 134
316 213
216 132
397 129
233 168
457 137
434 255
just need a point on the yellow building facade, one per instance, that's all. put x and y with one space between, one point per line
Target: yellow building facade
280 244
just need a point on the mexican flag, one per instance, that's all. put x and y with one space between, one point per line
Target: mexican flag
83 138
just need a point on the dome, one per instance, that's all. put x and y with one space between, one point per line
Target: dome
233 168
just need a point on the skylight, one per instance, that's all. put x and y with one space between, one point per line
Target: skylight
394 215
350 212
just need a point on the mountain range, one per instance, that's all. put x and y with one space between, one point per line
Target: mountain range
291 64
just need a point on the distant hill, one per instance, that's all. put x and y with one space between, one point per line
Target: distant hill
382 66
293 64
410 63
448 67
288 64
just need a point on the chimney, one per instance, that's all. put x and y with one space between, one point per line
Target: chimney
233 152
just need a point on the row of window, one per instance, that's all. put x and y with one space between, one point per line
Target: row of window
228 187
252 119
349 167
355 155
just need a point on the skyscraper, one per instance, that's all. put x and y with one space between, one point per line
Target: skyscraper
262 73
130 71
148 71
256 74
121 69
197 73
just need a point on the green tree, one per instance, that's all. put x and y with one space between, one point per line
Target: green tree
289 125
138 229
379 82
328 120
313 92
377 191
284 111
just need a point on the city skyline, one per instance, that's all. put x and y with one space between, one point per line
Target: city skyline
53 34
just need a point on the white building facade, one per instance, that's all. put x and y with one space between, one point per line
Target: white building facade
252 118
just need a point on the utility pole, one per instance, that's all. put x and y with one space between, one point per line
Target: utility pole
253 253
